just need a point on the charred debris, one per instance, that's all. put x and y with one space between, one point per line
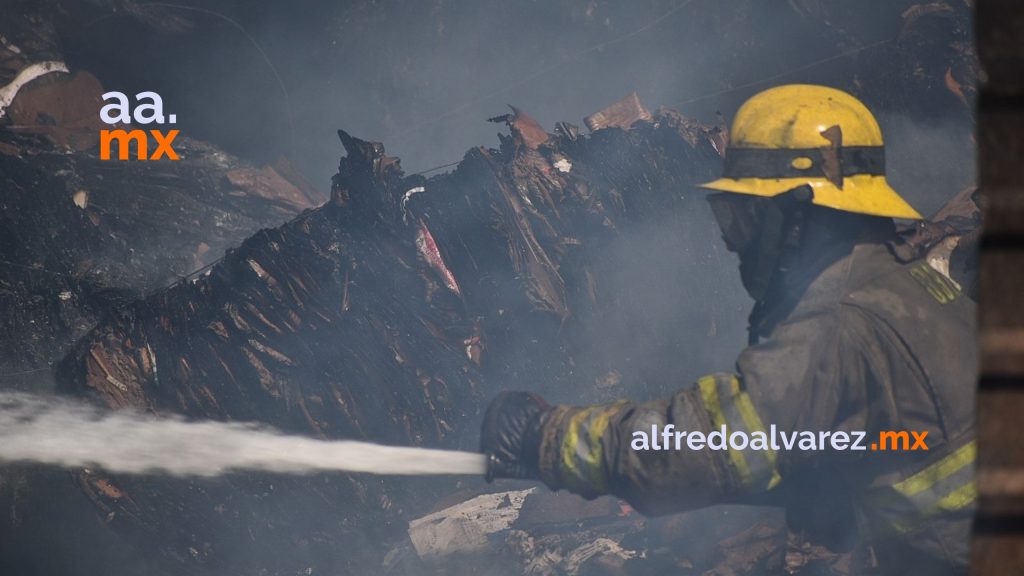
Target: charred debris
394 310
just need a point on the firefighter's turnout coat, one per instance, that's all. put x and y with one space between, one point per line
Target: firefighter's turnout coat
872 344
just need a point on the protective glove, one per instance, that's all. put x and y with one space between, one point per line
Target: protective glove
511 435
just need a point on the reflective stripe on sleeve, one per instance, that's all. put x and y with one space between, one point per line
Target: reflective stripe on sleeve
582 450
938 471
944 486
729 405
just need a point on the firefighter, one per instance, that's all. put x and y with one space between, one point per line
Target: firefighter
847 334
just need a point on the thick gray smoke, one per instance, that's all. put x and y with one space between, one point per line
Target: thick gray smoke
50 431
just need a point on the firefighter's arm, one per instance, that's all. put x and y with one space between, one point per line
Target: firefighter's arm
621 449
788 381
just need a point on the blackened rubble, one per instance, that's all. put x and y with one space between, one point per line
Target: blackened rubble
82 235
392 311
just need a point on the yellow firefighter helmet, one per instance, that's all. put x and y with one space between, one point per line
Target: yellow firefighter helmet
799 134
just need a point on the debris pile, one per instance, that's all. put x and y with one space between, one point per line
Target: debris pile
392 312
536 532
82 235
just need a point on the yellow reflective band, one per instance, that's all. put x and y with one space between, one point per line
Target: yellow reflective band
595 457
572 439
927 478
920 495
709 394
754 424
935 283
598 427
590 456
959 498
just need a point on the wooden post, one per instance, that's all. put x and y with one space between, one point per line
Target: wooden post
998 546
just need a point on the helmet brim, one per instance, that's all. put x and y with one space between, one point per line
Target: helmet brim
861 193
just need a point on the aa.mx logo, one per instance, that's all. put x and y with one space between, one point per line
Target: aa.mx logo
149 109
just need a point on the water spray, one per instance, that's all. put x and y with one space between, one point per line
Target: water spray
46 430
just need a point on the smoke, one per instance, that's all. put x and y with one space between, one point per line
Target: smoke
50 431
928 162
262 79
